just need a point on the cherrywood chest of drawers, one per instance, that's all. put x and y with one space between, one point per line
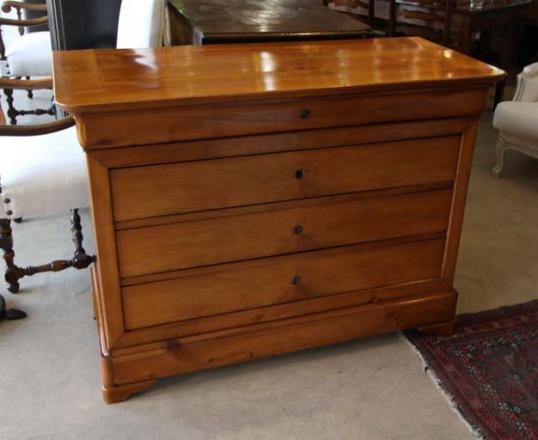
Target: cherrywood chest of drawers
259 199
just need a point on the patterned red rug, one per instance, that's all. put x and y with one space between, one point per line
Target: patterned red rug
489 369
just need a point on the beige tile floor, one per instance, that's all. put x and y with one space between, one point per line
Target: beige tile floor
369 389
498 262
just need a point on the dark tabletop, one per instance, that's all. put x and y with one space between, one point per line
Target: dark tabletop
478 6
474 6
267 19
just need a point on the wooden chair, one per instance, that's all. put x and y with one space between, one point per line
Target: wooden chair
42 173
43 168
352 7
5 313
30 56
431 19
365 10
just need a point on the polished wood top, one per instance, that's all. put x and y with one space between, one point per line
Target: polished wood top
107 79
225 20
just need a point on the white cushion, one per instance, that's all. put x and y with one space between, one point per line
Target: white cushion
43 175
517 118
142 24
30 55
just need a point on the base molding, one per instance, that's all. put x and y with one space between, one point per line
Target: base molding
128 371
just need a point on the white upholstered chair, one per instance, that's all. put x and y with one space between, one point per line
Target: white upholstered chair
143 24
28 57
42 173
43 169
517 120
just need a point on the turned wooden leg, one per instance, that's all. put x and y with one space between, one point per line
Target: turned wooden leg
80 260
499 93
442 329
12 113
13 272
53 110
30 92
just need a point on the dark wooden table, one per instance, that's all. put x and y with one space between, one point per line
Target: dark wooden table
232 21
468 18
489 17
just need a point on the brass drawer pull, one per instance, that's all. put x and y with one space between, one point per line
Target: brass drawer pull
296 280
298 229
305 113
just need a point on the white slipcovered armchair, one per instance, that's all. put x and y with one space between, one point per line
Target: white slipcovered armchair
28 57
42 173
142 23
517 120
31 54
43 168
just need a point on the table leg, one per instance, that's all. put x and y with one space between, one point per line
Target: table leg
465 39
506 56
392 18
509 43
499 92
484 47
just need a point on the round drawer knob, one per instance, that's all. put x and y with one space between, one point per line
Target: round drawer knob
298 229
305 113
299 174
296 280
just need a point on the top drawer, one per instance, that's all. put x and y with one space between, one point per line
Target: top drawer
150 191
189 122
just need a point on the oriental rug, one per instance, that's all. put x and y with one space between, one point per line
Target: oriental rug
489 370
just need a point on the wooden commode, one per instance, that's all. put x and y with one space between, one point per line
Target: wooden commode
251 200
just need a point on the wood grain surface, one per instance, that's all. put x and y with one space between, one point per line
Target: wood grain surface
108 79
253 200
249 180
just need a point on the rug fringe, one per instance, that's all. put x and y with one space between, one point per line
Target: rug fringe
439 385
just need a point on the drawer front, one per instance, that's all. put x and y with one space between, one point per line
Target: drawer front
151 191
239 286
217 121
308 225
